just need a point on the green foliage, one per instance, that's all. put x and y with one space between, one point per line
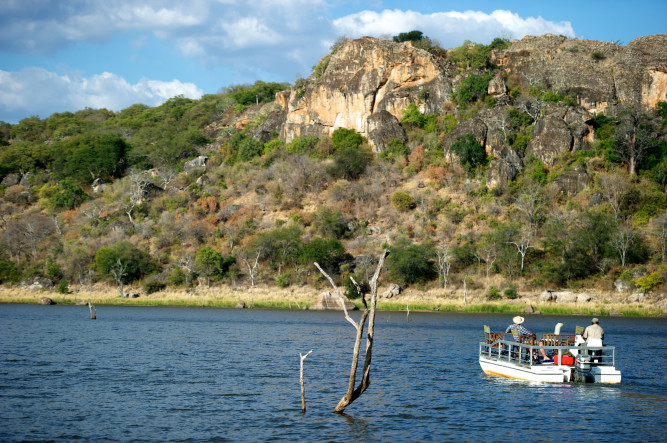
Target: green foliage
272 146
395 150
412 36
69 195
403 201
137 263
476 56
343 138
152 285
472 88
329 222
280 246
350 162
471 154
494 294
89 156
648 282
410 263
62 287
547 95
302 145
511 291
177 277
597 55
258 92
242 148
9 273
321 66
329 253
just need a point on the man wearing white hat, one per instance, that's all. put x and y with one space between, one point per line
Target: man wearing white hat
594 334
522 330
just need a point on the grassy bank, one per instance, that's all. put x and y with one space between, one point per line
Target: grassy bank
265 297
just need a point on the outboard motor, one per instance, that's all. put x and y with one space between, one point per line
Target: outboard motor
582 366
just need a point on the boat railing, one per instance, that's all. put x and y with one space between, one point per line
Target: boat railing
527 352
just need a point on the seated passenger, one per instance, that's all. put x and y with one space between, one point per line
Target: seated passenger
522 330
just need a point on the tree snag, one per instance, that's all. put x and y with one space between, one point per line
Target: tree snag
303 389
368 313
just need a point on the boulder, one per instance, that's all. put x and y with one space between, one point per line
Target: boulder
240 305
195 164
383 127
98 185
11 179
38 283
46 301
131 295
566 297
621 286
571 182
328 301
583 298
504 168
474 126
392 290
547 296
551 137
529 309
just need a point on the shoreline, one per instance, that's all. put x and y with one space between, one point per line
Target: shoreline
603 304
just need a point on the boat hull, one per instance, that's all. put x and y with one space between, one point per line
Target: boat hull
539 373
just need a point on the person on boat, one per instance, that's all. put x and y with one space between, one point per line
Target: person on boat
522 330
594 334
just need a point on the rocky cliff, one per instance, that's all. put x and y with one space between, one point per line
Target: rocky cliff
366 83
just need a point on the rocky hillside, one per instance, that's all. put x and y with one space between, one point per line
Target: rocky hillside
529 165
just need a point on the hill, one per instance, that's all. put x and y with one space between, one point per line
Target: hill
506 169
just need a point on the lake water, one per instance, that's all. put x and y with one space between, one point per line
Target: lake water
172 374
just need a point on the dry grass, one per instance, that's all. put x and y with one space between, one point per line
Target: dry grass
603 303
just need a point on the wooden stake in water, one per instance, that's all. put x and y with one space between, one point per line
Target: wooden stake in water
303 389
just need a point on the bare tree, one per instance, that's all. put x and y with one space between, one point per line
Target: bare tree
523 242
489 253
138 185
659 230
614 187
118 270
623 241
251 269
367 314
444 255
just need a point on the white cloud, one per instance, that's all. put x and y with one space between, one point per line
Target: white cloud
449 28
38 91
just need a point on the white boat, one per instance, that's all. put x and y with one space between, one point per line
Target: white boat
572 362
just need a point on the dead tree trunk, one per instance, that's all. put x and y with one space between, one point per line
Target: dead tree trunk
368 313
93 311
303 389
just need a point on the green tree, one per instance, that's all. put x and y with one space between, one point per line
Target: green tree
410 263
403 201
412 36
329 253
329 222
472 88
125 260
89 156
343 138
69 195
470 152
350 162
209 261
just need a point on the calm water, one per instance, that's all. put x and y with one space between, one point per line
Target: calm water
157 374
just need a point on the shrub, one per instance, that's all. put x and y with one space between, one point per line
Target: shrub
403 201
410 263
494 293
472 88
153 285
648 282
350 162
511 291
62 287
471 154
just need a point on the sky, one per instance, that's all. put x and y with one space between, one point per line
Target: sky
67 55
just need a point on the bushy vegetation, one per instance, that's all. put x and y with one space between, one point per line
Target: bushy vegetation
266 209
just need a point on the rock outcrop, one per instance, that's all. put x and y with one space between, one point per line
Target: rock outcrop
364 77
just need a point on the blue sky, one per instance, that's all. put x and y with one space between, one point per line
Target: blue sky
65 55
